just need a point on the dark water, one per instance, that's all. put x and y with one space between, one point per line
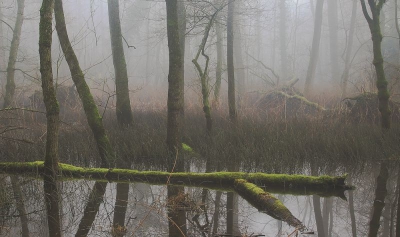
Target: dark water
147 210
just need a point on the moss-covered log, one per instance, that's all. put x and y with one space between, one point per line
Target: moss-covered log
266 203
279 183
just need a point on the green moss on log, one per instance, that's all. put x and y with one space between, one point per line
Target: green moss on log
277 183
265 202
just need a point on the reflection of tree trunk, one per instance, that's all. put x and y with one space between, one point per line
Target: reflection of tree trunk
349 49
91 209
231 69
232 215
386 218
327 209
19 200
318 215
216 212
176 214
121 204
352 212
123 106
379 202
51 194
10 87
312 66
398 203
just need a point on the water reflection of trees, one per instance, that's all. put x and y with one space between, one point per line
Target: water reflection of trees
147 208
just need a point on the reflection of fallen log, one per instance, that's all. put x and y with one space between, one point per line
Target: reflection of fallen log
266 203
280 183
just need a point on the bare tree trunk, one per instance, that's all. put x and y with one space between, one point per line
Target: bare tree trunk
9 98
177 218
282 39
238 60
2 55
312 66
52 114
123 109
218 72
94 119
231 69
10 87
333 40
349 50
381 83
123 106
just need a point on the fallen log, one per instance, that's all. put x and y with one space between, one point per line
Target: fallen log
266 203
278 183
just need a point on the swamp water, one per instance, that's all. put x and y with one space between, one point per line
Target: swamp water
147 211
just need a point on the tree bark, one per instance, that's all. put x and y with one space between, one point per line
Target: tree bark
94 119
312 66
333 40
282 39
10 87
175 104
175 89
231 69
218 71
52 114
349 50
123 106
381 83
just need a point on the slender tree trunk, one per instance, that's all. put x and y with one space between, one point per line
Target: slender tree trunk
238 60
203 73
349 50
10 87
92 113
94 119
9 98
312 66
2 55
333 40
177 218
282 39
52 114
398 203
123 106
231 69
218 72
381 83
318 215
